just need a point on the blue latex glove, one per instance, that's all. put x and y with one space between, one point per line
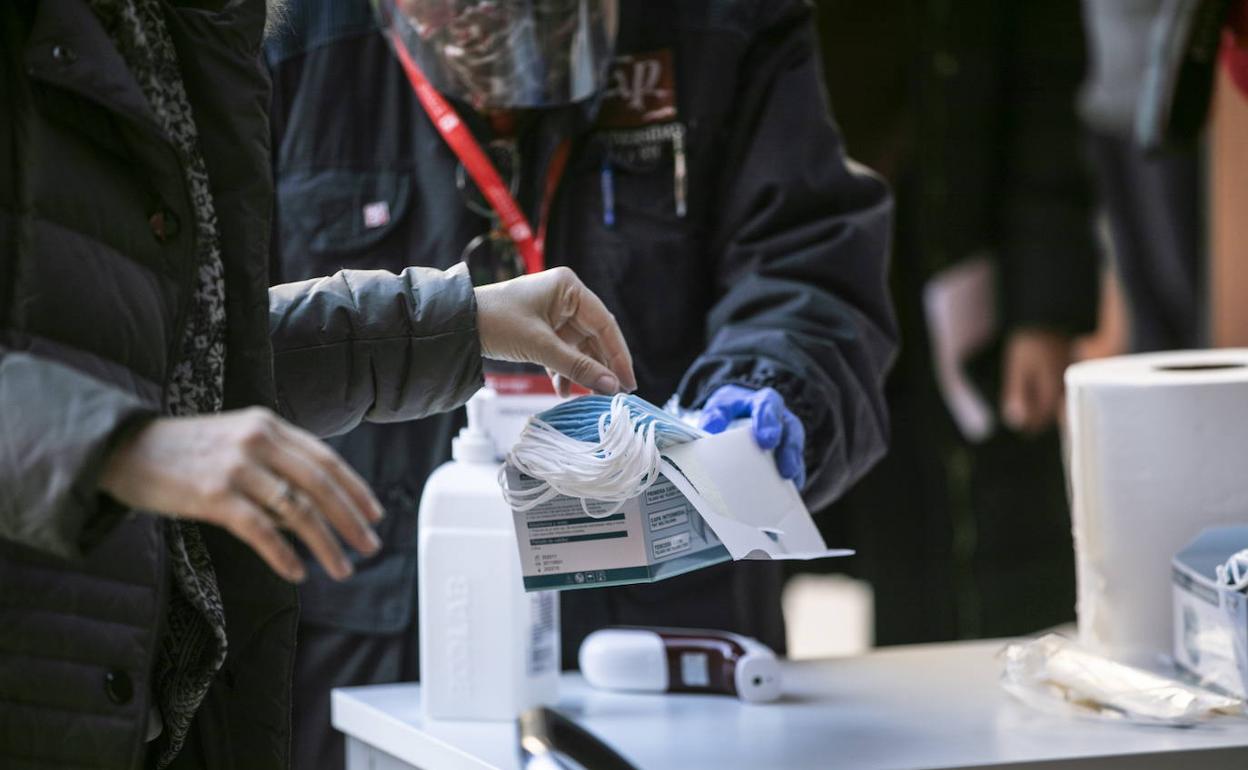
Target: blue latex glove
774 426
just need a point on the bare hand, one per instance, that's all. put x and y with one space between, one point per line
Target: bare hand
249 472
1032 392
551 318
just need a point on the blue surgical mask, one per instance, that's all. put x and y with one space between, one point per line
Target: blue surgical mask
584 419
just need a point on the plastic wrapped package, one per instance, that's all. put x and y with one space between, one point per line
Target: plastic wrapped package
1056 676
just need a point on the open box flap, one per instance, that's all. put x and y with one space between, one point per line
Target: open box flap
735 486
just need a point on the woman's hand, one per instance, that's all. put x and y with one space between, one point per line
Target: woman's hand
551 318
249 472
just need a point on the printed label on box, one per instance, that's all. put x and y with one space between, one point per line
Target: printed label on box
671 546
650 537
672 517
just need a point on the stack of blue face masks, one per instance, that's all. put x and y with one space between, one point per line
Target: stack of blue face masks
598 448
587 419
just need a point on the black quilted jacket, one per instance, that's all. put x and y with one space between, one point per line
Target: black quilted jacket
96 245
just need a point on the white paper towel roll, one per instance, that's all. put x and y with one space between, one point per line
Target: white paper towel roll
1159 451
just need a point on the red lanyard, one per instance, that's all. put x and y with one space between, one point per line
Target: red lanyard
465 146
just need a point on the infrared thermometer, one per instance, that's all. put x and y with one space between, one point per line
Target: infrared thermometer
637 659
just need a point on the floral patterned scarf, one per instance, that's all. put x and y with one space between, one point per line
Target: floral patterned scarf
193 647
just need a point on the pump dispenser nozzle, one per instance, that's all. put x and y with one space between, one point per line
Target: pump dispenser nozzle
473 444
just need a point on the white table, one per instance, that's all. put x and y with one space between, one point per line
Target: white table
909 708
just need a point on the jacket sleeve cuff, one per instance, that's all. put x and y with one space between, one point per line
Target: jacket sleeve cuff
1050 280
57 427
711 372
109 511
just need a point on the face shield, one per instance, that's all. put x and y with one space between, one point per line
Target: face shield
506 54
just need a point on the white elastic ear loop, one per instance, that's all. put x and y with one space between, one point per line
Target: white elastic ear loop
620 466
1235 572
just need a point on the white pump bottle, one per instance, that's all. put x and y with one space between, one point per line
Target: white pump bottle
488 650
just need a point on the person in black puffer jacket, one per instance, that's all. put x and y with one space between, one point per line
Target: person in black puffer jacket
146 613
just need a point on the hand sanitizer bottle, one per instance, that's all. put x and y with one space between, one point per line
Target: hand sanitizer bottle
488 650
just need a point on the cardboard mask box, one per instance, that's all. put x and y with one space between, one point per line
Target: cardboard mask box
719 498
1211 620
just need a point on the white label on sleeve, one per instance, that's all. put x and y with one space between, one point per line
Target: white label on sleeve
376 214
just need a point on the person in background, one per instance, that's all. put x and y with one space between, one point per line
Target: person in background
1228 184
681 158
1151 196
159 403
1198 78
968 110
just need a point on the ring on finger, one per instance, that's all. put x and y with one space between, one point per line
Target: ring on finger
283 499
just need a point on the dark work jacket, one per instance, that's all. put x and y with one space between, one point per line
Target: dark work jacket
96 263
776 276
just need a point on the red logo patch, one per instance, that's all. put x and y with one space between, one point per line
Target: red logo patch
641 90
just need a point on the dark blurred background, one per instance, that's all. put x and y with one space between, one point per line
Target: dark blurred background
1048 209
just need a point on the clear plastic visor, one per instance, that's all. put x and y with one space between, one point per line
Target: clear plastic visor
506 54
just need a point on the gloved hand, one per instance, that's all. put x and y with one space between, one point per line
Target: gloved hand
773 425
